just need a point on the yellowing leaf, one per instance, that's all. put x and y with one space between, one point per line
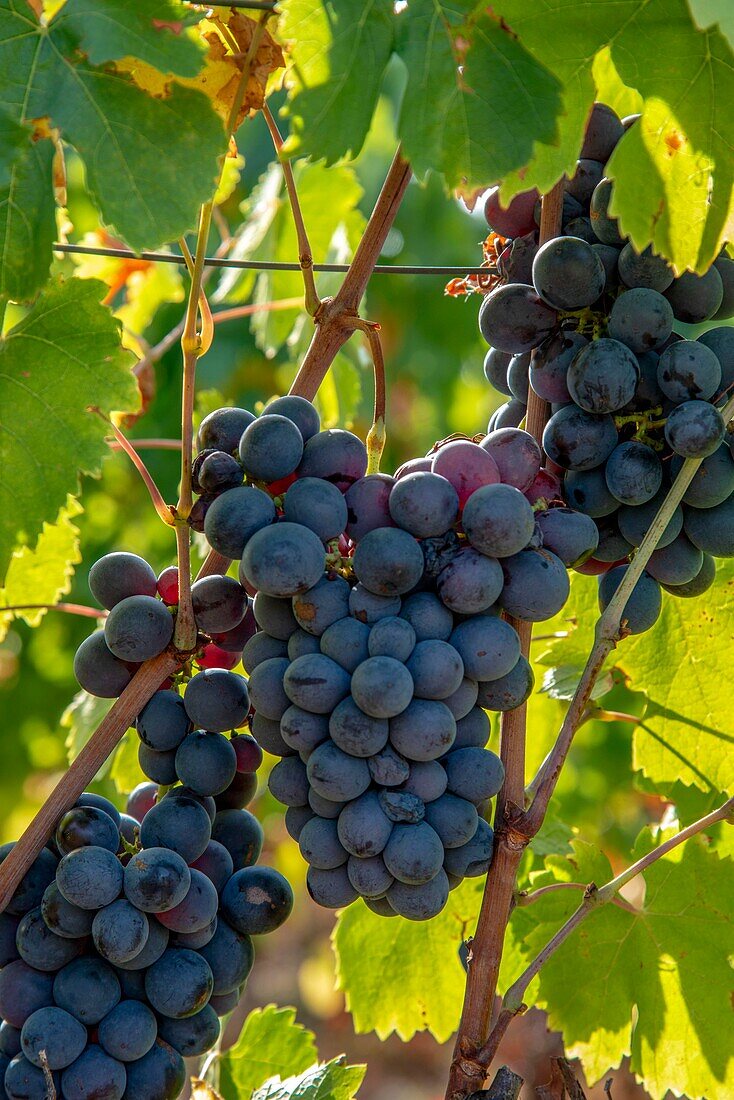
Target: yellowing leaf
42 575
228 38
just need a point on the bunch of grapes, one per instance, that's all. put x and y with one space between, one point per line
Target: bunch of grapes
380 646
126 941
588 323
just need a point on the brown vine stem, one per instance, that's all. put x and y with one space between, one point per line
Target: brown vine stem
467 1072
305 255
335 320
99 746
594 897
471 1061
83 770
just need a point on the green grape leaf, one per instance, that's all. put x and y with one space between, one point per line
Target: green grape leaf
561 682
610 89
152 30
405 976
124 770
664 971
144 190
63 357
150 161
495 98
81 718
27 211
270 1044
329 1081
684 731
339 50
329 199
709 13
43 575
675 174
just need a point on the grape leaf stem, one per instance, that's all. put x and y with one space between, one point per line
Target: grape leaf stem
68 608
594 897
123 444
377 434
305 255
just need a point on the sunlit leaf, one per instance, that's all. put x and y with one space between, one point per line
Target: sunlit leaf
405 976
331 1081
271 1044
42 575
687 80
153 30
62 358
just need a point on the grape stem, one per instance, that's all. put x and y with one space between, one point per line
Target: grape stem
467 1070
594 897
305 255
193 345
336 317
518 826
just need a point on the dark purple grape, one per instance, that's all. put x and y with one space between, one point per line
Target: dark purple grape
334 455
567 273
603 131
222 429
118 575
695 298
270 448
514 318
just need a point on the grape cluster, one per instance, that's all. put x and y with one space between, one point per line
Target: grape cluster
380 645
126 941
588 323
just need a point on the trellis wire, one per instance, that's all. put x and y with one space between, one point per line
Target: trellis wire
264 265
253 5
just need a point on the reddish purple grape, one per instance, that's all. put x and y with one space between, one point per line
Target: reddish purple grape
467 466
